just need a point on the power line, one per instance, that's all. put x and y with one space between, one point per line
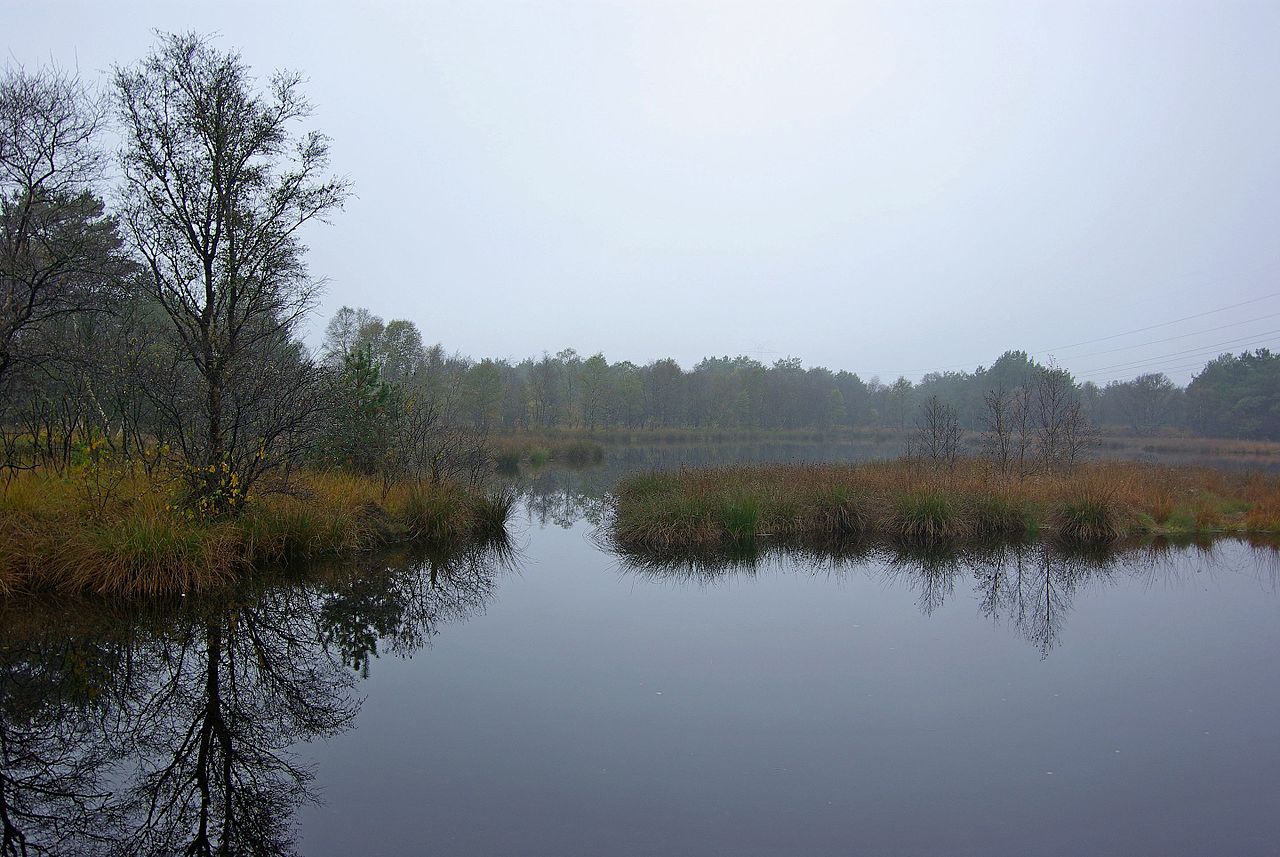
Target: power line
1050 351
1179 336
1208 353
1164 323
1230 343
1155 342
1200 364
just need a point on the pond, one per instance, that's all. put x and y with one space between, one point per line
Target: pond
552 698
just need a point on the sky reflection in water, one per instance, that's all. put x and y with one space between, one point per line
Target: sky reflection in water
561 700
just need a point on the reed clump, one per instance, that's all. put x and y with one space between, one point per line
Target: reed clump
509 451
1089 517
908 502
927 516
1003 515
55 535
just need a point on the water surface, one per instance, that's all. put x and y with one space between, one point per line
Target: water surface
1029 707
560 700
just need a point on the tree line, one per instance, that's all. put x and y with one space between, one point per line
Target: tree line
1234 396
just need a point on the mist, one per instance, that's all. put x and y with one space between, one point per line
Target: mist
887 189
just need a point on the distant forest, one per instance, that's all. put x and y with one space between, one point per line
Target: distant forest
1235 396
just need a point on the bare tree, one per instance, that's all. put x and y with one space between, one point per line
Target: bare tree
216 189
937 434
1061 429
1078 434
434 439
58 248
1023 427
998 427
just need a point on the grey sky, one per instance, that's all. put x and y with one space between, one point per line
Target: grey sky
888 188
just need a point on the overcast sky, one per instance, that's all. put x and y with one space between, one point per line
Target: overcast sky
888 188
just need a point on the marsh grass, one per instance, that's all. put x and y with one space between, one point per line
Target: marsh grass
140 543
740 519
537 450
927 516
1089 517
1003 515
907 502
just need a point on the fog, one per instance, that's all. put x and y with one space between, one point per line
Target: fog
890 189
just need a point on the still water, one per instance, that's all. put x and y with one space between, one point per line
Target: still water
556 699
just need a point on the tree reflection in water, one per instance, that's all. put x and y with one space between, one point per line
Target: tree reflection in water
564 496
1030 587
56 691
167 730
402 605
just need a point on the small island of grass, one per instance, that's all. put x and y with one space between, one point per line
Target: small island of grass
911 501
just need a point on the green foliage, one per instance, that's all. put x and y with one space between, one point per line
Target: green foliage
1238 396
367 405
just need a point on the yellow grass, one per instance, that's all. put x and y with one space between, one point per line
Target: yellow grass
58 533
907 501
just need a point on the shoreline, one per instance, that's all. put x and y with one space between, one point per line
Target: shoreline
56 535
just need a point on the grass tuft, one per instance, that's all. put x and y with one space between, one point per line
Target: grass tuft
1089 518
927 516
1003 516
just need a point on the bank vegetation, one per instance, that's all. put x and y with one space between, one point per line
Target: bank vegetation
163 428
908 502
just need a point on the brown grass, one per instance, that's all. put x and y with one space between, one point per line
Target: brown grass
908 502
58 535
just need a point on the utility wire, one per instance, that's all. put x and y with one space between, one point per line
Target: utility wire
1050 351
1086 376
1151 364
1230 343
1179 336
1164 323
